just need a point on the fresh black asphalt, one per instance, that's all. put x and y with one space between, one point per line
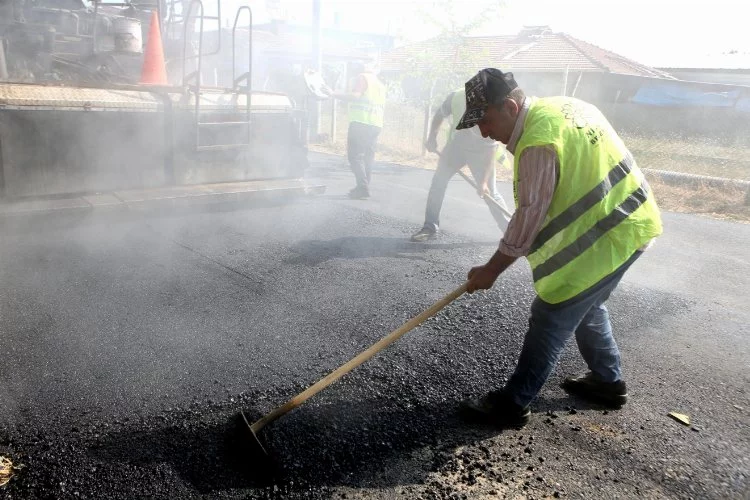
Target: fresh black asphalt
129 342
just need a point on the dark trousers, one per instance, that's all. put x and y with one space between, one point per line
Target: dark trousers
361 142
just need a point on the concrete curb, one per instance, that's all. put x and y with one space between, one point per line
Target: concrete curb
681 178
171 197
677 178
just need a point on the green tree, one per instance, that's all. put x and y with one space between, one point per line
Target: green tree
445 62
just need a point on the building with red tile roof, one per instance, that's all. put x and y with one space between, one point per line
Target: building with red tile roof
544 62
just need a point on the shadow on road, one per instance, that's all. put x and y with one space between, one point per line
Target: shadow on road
567 403
315 252
67 220
313 449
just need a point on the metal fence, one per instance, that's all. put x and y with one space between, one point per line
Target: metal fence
403 128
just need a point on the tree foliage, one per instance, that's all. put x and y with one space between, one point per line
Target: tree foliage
439 65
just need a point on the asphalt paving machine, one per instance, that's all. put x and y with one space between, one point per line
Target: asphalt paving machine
76 122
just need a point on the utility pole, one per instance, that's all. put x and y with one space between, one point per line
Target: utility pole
317 65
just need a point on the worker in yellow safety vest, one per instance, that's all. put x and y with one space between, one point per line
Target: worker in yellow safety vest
584 214
366 109
463 147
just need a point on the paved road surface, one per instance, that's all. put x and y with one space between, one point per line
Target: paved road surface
128 342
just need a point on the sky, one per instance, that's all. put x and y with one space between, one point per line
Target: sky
653 32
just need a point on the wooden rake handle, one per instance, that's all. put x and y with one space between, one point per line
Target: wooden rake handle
487 199
490 200
358 360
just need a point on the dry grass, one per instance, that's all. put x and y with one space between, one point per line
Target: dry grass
719 203
701 157
7 470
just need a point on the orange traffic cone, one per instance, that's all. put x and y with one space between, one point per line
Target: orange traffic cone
154 70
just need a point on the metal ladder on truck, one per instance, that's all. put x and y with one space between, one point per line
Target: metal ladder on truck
208 134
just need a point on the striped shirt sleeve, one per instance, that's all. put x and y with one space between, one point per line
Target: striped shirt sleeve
537 178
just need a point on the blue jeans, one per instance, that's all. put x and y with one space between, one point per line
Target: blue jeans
552 325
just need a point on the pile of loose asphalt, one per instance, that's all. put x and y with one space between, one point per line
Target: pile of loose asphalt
130 344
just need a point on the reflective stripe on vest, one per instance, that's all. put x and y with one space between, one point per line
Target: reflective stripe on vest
602 210
369 108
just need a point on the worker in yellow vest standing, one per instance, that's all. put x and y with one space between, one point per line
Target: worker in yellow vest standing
366 109
463 147
584 214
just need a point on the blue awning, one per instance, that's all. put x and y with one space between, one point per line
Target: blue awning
682 94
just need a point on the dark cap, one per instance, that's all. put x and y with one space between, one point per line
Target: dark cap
489 86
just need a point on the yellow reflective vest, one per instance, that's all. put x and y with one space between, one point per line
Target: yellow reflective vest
369 108
602 210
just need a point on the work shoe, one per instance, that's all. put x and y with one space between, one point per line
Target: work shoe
359 193
428 232
613 394
496 408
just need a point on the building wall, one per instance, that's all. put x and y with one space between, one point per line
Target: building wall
730 77
721 123
614 94
583 85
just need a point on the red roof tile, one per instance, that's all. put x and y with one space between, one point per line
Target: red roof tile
549 52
